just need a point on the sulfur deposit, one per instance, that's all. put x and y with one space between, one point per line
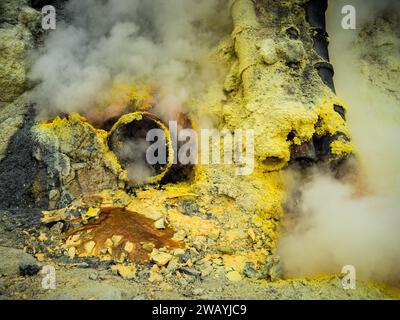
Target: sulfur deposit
78 153
272 86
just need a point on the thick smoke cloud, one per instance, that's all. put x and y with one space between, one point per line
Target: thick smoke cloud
337 224
337 227
105 42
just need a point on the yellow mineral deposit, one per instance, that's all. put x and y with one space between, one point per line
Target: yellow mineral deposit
42 237
129 246
236 216
124 97
127 272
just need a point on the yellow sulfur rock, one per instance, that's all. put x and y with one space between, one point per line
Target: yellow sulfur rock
108 243
128 247
159 224
71 252
148 246
89 246
116 239
194 226
161 258
92 213
251 234
54 216
73 241
234 276
126 272
155 275
39 257
42 237
238 261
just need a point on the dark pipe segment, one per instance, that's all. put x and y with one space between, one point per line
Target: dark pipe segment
315 13
304 154
326 72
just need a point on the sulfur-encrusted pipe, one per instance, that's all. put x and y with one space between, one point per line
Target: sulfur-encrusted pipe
282 79
246 26
127 139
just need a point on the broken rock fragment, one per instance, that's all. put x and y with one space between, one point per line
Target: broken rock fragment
161 258
127 272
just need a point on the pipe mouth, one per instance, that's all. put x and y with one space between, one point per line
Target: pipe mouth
274 163
128 140
304 154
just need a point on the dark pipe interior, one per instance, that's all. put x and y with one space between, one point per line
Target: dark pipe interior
129 144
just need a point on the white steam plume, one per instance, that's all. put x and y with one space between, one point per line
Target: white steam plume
104 41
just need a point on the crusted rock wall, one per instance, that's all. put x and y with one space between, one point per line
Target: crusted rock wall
75 160
19 28
19 32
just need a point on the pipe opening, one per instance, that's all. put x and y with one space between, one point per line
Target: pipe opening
340 110
274 163
304 154
127 140
291 135
292 33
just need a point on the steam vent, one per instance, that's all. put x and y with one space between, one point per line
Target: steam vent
214 149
